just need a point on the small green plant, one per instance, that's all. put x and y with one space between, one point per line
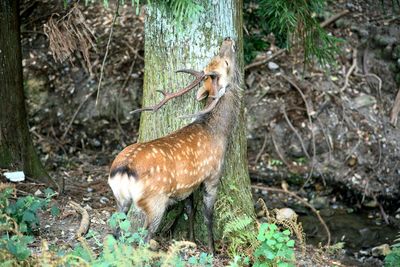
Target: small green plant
275 162
241 234
276 247
18 220
393 258
130 249
24 210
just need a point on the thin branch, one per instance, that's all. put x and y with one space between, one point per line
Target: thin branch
295 131
278 151
265 60
76 113
309 114
262 148
333 18
352 68
116 15
316 212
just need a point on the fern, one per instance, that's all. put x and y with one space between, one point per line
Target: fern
397 241
296 20
238 225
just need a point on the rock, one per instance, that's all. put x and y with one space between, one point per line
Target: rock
363 101
371 204
387 52
18 176
286 214
273 65
38 193
104 200
384 40
396 52
154 245
381 250
320 202
397 78
260 214
342 23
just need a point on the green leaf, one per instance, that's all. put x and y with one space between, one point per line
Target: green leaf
270 255
125 225
286 232
290 243
29 216
54 210
271 242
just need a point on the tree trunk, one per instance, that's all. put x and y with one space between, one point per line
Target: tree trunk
168 48
16 148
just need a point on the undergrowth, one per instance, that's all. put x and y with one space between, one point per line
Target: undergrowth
269 246
393 258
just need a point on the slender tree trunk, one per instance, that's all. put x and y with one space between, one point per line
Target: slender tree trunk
169 48
16 148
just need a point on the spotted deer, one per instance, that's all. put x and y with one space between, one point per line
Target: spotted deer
154 174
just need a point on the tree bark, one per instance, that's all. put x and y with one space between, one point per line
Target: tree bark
16 148
168 48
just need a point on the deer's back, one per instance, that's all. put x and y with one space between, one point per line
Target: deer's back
174 164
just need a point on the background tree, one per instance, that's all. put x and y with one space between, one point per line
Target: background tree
172 44
16 148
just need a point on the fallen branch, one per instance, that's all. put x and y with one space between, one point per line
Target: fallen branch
352 68
333 18
265 60
328 233
85 222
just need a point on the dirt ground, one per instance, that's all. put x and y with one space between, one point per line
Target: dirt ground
336 146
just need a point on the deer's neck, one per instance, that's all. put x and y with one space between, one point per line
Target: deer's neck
222 119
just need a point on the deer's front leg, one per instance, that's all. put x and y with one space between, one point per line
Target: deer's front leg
209 198
189 210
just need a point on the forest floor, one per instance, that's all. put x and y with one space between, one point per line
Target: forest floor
345 162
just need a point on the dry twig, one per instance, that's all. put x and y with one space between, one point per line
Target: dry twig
68 34
310 113
76 114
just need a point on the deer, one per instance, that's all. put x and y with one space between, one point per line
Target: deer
155 174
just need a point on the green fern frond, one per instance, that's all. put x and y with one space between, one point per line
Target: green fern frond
237 225
297 21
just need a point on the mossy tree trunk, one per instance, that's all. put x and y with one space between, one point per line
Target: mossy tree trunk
16 148
169 47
